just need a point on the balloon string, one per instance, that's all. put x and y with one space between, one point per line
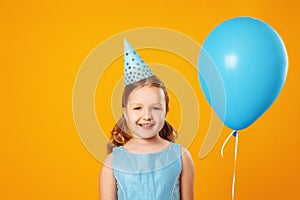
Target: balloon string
235 134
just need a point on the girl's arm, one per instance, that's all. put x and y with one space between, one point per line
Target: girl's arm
107 180
187 176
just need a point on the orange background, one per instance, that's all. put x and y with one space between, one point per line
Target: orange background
43 44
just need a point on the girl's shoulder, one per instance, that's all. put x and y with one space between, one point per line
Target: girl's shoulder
184 150
186 158
108 162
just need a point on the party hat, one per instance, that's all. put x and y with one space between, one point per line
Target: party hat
134 67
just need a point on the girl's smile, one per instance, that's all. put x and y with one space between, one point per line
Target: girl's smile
146 126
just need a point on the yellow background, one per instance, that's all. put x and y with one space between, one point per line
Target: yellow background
43 44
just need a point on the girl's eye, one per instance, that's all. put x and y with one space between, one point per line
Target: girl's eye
136 108
156 108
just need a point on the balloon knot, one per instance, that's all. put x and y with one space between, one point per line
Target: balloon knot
234 134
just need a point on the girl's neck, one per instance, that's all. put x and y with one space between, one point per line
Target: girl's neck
149 145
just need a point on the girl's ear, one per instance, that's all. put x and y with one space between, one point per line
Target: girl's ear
124 113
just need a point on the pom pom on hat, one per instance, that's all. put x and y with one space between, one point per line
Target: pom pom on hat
134 67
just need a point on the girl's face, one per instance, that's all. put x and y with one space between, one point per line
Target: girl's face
145 111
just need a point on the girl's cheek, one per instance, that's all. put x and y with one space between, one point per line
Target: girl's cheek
135 116
160 116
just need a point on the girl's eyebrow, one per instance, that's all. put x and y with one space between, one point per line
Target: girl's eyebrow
136 104
139 104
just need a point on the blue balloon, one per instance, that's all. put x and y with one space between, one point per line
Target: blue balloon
242 67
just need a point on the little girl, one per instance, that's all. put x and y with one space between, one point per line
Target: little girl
144 163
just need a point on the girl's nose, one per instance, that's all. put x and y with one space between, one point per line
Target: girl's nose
147 115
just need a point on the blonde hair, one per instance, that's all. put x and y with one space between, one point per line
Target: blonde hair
120 133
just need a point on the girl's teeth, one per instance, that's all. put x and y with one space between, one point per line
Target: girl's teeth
146 125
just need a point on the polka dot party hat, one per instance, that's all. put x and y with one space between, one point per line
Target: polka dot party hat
134 67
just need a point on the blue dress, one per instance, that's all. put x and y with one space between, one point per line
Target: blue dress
153 176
